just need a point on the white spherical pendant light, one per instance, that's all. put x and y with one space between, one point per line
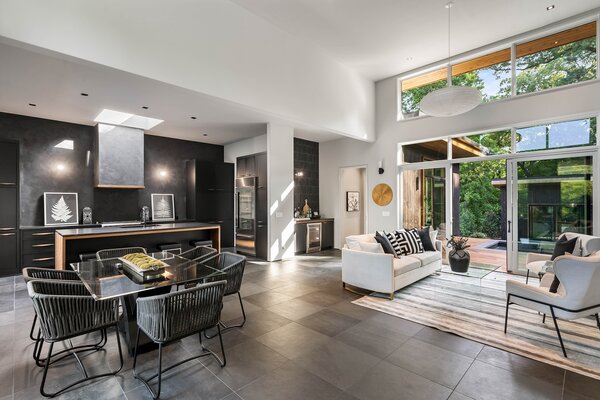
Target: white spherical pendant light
450 101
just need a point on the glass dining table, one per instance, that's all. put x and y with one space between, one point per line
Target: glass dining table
106 279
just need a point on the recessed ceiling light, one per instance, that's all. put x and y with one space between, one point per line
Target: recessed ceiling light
206 134
145 107
32 105
84 94
126 119
409 58
550 7
193 117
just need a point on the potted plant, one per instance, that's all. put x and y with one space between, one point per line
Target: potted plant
459 258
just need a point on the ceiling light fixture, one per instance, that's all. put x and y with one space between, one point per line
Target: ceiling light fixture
145 107
32 105
450 100
193 117
84 94
205 134
550 7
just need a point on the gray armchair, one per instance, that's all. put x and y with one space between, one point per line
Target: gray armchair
233 265
577 296
64 312
173 316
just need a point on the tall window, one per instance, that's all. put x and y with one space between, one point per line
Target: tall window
556 60
560 135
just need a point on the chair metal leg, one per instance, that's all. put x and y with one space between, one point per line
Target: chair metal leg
74 350
33 328
527 277
227 327
562 345
544 319
598 321
392 296
506 315
49 361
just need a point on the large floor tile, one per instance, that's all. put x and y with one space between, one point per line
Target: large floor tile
328 322
487 382
293 340
323 298
337 363
389 382
377 341
295 309
352 310
432 362
522 365
262 322
449 341
394 324
267 299
245 363
290 382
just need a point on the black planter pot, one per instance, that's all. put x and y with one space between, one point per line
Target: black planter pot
459 260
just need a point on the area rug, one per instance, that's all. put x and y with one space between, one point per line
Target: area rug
474 308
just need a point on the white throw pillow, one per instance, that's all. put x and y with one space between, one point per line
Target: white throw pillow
433 236
371 247
353 244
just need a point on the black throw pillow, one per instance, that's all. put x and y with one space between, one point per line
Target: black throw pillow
426 239
385 244
563 246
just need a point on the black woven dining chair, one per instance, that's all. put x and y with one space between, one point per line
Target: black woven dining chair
31 273
233 266
199 253
118 252
173 316
65 312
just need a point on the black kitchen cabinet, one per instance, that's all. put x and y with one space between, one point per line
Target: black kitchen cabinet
9 209
326 235
300 230
210 195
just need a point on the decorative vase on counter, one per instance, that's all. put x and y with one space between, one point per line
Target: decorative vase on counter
306 209
87 215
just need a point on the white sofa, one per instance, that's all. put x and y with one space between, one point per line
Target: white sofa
383 272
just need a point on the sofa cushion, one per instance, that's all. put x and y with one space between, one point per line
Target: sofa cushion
392 239
370 247
562 246
426 239
409 242
426 257
369 238
385 243
403 265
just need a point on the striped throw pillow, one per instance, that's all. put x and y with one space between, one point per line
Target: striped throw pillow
391 237
409 242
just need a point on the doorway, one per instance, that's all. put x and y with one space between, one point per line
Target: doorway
352 220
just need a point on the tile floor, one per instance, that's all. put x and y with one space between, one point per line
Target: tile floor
303 340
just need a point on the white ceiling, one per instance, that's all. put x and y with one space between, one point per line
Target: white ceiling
55 82
382 38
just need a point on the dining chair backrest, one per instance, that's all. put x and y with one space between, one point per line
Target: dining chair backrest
30 273
580 278
233 265
172 316
199 253
118 252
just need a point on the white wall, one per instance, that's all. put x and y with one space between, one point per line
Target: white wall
246 147
557 103
352 223
280 166
211 46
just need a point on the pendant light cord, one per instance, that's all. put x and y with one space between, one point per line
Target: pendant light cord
449 72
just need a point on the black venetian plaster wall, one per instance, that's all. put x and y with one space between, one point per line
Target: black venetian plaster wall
306 160
39 173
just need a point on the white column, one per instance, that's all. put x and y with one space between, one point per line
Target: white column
280 165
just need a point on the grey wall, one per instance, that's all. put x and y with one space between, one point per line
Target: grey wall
39 159
306 159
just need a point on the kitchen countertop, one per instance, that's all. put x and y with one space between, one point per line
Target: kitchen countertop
314 220
125 229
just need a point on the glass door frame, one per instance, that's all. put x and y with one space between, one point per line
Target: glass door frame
513 197
511 193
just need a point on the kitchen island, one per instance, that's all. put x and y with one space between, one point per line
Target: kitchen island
70 243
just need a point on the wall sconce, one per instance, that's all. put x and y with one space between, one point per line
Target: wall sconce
299 174
163 173
60 167
380 167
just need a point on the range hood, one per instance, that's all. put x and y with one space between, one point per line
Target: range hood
119 157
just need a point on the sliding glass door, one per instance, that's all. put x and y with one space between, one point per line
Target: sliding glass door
550 196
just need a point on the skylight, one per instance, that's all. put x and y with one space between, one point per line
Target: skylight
125 119
65 144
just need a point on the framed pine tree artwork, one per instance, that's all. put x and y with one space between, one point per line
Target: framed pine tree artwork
60 209
163 207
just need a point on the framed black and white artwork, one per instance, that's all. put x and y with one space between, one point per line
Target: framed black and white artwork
60 209
352 201
163 207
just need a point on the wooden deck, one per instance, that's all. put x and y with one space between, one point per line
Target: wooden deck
479 254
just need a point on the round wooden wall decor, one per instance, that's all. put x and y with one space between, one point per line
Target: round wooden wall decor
382 194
